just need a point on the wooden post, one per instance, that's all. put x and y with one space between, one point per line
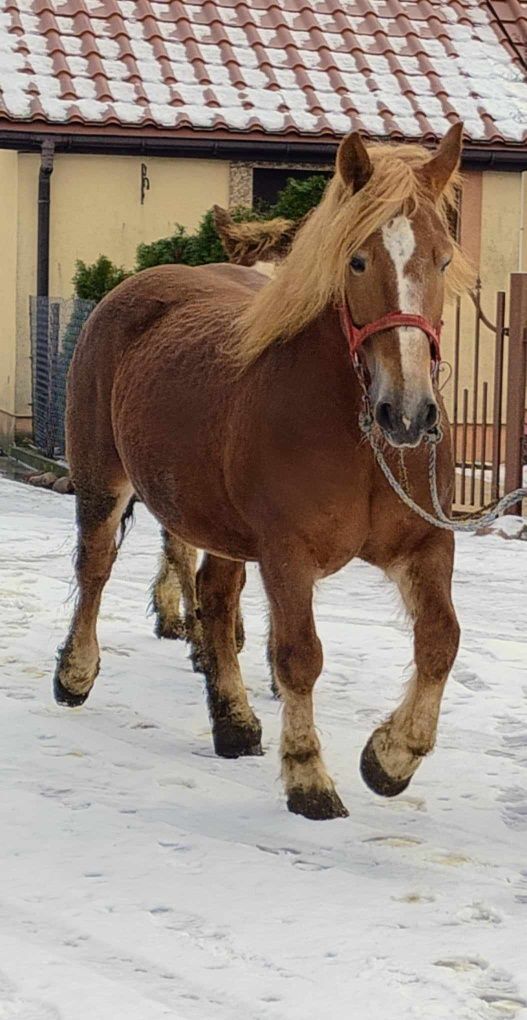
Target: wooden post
516 382
496 487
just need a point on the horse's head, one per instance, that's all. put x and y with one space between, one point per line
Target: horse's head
400 267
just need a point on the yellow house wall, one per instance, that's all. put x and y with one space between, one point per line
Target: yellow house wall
96 209
500 232
26 281
8 189
499 255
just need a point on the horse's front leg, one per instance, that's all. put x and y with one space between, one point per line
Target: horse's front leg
296 656
397 748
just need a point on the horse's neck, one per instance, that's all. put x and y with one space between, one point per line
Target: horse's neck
318 360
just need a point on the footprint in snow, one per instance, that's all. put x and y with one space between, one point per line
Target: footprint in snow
111 650
514 811
495 752
189 784
394 840
414 897
521 894
497 990
494 988
287 850
471 681
21 694
518 739
478 913
451 860
311 866
513 730
404 804
462 964
12 1007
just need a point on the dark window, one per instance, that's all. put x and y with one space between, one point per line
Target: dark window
267 183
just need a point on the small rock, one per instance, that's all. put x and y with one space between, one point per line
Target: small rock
64 485
44 481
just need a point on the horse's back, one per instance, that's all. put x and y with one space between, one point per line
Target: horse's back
137 303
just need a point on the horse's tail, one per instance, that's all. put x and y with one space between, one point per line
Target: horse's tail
127 520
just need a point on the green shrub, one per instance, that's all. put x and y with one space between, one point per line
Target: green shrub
166 250
298 197
196 249
187 249
205 246
201 247
93 282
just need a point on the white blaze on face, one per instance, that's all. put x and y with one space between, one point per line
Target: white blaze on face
399 241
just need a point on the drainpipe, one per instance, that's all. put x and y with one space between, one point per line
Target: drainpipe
523 199
43 374
47 153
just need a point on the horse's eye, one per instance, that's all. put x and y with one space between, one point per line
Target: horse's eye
358 264
445 264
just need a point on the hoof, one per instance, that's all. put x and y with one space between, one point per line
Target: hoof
376 778
172 630
65 697
234 741
318 805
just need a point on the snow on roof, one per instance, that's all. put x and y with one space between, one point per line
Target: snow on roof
390 68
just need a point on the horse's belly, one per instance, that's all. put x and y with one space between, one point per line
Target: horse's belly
173 451
199 522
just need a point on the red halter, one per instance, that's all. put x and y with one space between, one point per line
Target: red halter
356 336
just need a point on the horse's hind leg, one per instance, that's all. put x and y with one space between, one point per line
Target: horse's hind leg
235 729
99 513
397 748
175 583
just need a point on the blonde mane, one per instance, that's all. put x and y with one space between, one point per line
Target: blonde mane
312 277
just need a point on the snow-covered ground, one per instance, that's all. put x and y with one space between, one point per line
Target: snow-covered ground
142 878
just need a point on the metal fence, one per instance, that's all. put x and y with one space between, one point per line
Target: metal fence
487 394
55 326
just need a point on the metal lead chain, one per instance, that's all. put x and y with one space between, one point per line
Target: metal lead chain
433 438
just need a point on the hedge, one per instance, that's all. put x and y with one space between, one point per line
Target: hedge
198 249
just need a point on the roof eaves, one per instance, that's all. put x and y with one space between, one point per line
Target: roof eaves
226 145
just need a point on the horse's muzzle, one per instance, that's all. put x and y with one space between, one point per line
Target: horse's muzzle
401 430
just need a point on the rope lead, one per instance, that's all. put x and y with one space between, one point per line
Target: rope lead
440 520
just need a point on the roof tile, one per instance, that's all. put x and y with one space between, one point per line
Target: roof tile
390 68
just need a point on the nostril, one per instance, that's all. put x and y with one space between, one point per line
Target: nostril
431 415
384 415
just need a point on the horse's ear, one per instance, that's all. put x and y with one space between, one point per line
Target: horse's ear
221 218
353 163
439 169
226 228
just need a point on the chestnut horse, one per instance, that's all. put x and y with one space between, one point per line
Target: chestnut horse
230 404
